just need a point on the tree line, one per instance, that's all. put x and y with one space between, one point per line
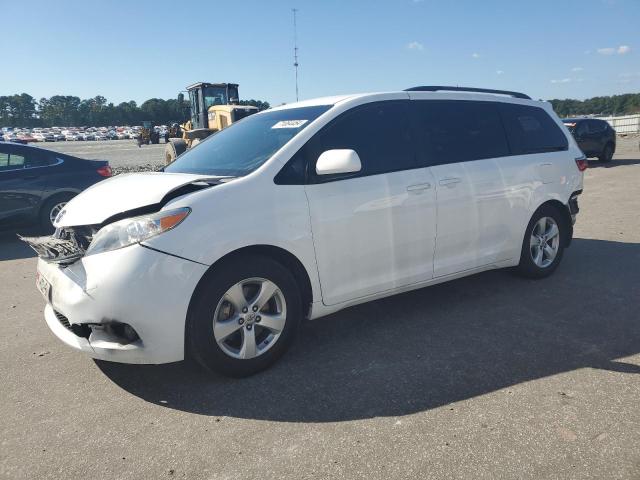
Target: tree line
611 105
22 110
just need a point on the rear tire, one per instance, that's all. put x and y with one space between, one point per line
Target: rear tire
543 243
225 334
607 153
50 210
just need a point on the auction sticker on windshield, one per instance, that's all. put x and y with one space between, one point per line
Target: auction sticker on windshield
290 123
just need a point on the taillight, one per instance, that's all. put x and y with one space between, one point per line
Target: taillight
582 163
106 171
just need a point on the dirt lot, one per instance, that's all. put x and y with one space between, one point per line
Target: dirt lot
489 376
121 154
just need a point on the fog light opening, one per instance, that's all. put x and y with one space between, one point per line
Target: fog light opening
114 331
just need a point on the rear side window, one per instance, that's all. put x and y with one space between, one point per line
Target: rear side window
597 126
379 132
11 161
453 131
531 130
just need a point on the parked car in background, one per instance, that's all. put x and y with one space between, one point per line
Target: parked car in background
325 204
595 137
100 136
89 136
25 138
35 183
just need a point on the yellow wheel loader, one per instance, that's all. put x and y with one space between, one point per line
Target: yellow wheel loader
214 106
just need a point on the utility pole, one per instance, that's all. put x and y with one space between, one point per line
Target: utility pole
295 47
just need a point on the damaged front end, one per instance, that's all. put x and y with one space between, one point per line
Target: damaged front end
65 246
113 227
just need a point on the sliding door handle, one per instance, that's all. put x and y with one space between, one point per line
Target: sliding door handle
450 182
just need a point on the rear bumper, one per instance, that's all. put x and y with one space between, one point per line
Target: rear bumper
145 289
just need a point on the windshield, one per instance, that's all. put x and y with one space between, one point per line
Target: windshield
244 146
215 96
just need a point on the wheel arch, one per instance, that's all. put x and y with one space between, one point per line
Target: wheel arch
53 195
279 254
566 217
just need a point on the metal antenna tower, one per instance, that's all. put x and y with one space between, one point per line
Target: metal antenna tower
295 47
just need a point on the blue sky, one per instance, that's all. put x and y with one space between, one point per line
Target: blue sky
143 49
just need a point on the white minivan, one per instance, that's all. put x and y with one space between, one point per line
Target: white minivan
305 209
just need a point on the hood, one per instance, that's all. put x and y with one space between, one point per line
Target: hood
126 192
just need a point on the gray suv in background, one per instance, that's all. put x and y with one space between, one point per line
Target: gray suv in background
595 137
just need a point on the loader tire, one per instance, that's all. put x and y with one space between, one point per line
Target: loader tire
173 149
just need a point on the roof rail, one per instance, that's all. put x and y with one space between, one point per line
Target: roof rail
438 88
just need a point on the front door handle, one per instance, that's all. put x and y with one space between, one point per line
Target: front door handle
419 187
450 182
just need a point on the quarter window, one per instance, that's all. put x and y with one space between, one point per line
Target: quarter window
459 131
531 130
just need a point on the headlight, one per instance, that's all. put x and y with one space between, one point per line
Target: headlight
135 230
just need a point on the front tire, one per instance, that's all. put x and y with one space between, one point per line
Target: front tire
543 244
244 316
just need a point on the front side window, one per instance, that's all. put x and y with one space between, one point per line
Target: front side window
459 131
531 130
244 146
380 133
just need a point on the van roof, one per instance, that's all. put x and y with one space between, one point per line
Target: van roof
446 92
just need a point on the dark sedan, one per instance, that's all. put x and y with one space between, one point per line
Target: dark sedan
36 183
595 137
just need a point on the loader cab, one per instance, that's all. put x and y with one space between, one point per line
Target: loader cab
204 95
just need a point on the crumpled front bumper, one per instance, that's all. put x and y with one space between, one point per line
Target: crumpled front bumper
137 286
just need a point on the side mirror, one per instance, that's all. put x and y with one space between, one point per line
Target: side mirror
338 161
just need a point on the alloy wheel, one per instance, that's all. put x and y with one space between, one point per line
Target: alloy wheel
249 318
544 242
55 210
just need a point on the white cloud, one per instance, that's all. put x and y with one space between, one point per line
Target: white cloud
607 51
562 80
499 72
415 46
621 50
475 55
577 69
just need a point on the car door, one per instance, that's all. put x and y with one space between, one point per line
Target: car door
373 231
597 135
463 141
21 187
586 138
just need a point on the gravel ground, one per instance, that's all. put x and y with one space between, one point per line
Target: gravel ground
485 377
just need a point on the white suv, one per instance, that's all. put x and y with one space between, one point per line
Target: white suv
303 210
